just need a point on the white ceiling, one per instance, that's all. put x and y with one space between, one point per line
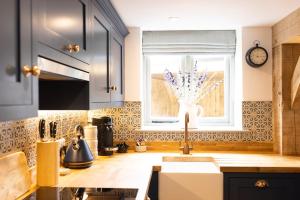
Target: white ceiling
202 14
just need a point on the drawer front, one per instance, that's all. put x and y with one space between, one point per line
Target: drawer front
260 187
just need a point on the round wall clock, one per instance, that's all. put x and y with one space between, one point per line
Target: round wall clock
256 56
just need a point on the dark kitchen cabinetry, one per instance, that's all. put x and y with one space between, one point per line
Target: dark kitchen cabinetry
63 31
107 65
80 35
18 98
117 68
99 76
261 186
153 187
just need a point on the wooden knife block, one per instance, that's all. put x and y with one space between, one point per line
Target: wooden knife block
47 163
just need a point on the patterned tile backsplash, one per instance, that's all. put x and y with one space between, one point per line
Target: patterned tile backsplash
126 119
257 117
257 125
22 135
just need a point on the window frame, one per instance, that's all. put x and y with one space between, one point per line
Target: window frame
229 81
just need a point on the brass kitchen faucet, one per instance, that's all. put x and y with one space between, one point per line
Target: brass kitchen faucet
186 148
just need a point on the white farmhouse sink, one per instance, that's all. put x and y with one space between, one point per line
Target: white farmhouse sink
187 158
190 178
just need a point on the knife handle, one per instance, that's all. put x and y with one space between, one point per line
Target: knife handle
42 128
51 124
54 129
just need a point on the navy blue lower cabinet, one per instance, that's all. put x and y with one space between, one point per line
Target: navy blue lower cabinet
153 188
261 186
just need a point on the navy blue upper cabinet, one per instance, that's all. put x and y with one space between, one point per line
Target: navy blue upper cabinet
83 34
107 66
99 76
63 31
117 67
18 97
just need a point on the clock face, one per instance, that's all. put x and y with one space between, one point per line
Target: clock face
256 56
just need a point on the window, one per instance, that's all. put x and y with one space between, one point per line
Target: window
213 99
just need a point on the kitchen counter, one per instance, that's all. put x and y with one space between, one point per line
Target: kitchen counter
131 170
134 170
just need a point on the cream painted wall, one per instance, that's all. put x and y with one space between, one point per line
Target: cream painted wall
257 82
133 63
238 88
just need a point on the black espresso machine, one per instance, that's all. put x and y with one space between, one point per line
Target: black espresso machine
105 135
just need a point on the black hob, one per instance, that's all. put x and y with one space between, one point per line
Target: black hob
68 193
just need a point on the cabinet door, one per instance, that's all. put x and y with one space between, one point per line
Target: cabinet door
18 98
116 68
99 75
278 187
63 24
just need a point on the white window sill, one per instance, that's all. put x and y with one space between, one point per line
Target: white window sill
200 128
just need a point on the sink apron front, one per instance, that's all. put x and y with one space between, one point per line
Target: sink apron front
190 181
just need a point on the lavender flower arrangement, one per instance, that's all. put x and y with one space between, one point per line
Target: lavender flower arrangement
186 85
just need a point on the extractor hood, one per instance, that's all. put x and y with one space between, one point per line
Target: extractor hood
51 70
62 87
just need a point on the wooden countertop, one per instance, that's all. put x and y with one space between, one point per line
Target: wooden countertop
118 171
133 170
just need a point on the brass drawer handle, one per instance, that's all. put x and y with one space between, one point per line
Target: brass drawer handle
113 88
34 71
261 184
72 48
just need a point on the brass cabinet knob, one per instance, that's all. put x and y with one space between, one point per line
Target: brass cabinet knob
76 48
26 70
113 88
72 48
261 184
34 71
